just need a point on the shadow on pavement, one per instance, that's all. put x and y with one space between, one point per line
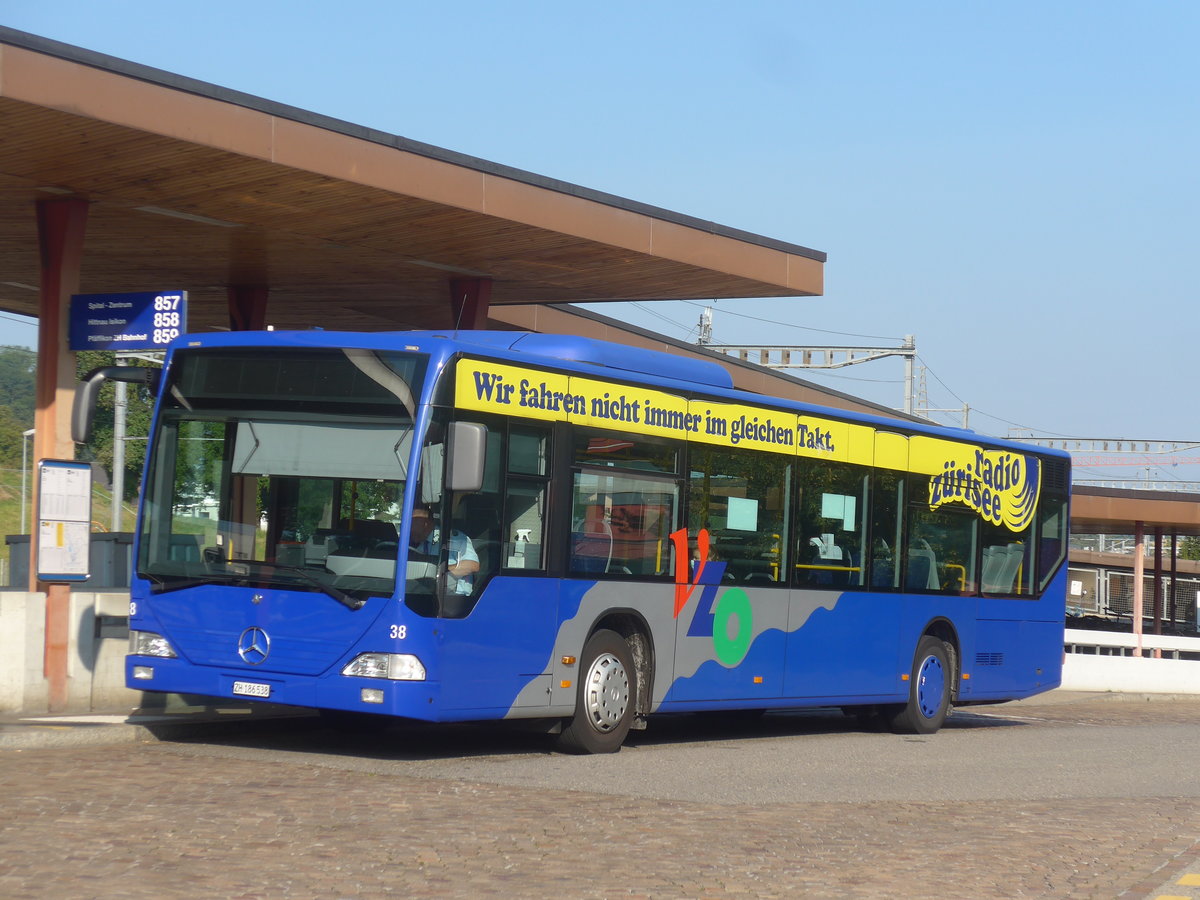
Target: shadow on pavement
382 738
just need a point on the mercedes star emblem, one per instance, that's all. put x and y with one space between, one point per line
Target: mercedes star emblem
254 645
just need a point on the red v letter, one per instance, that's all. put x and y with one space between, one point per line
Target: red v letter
683 584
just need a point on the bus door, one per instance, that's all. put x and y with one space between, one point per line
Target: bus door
730 639
732 631
846 612
478 567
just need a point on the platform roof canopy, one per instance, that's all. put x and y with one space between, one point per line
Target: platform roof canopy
1099 510
198 187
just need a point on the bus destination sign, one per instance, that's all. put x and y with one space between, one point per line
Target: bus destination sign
145 320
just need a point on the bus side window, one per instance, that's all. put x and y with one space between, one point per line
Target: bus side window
941 547
741 497
887 501
524 521
1052 523
624 504
1006 560
523 533
621 524
831 526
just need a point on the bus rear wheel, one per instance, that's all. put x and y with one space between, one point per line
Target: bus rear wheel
606 697
929 690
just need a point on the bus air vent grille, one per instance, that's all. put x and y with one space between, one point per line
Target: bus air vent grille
1056 476
989 659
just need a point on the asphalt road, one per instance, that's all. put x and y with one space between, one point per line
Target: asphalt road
1009 753
1065 797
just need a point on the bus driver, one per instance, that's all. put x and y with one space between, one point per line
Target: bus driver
425 539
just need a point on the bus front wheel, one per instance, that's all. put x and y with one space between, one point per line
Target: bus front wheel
606 696
929 690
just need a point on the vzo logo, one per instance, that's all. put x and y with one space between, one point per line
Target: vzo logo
730 622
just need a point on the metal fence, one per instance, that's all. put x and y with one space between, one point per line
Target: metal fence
1084 590
1177 606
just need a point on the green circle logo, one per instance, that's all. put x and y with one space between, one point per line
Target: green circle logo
734 604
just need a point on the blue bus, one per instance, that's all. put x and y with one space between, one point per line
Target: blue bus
510 525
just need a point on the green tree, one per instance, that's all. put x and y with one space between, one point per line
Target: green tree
18 368
1189 548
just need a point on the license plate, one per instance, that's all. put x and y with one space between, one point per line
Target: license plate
251 689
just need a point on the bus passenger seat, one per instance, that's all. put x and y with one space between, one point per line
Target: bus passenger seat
917 576
922 569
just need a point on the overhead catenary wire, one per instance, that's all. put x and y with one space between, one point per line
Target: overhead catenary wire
1031 430
19 321
689 330
816 375
985 414
874 337
813 374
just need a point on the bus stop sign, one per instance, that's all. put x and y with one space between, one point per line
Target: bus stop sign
147 320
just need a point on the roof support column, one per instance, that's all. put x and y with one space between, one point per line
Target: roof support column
61 222
248 307
1139 575
469 301
1174 573
1158 584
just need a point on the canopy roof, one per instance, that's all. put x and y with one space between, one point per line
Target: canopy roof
198 187
1097 510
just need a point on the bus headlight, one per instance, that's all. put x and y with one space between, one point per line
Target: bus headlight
147 643
393 666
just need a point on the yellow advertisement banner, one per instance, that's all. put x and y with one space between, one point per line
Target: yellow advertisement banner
1001 486
637 409
512 390
740 425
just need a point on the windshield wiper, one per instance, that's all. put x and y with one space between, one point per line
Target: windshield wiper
329 590
164 583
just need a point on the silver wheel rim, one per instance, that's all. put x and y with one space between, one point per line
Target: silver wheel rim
606 692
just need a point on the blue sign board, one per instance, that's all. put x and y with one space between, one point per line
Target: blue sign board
147 320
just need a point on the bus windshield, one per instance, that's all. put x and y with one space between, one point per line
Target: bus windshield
280 470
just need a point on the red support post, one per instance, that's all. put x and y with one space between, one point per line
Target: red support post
1174 573
469 302
248 307
1139 574
61 223
1158 582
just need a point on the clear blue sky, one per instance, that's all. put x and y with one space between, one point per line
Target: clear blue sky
1013 183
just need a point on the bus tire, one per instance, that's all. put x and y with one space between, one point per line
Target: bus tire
929 690
606 697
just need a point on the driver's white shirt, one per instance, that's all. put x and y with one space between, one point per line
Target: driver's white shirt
461 549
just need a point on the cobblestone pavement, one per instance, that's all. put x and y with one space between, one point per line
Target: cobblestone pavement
168 820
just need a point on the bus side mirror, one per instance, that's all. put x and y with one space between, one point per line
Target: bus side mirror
468 448
84 411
